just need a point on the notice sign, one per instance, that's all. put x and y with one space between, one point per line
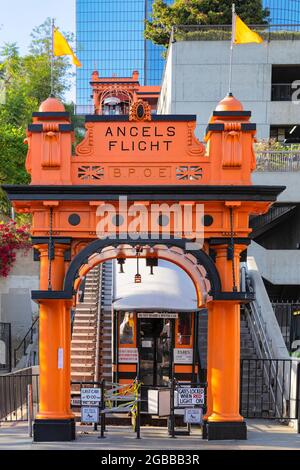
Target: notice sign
90 395
128 356
89 414
193 415
158 315
183 356
190 396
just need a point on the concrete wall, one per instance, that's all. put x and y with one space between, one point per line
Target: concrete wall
277 266
16 306
199 74
290 179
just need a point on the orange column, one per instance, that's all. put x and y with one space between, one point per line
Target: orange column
224 355
57 269
209 349
54 353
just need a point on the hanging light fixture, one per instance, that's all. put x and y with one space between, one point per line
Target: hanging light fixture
121 262
137 277
151 262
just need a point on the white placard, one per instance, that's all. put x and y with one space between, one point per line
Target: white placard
159 402
157 315
89 414
146 344
60 358
90 395
193 415
128 356
75 401
190 396
183 356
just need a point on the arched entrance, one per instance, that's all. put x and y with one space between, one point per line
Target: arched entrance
177 193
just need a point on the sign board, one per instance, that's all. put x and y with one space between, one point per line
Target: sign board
159 402
75 401
183 356
158 315
60 358
193 415
90 395
89 414
147 344
128 355
190 396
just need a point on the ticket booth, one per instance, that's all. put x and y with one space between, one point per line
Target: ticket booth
155 324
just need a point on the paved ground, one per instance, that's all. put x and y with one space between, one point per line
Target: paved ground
261 435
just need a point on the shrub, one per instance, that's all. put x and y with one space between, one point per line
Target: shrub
12 238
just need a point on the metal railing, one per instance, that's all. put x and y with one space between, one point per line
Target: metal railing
21 349
288 318
269 389
278 160
13 395
5 347
218 32
274 371
273 214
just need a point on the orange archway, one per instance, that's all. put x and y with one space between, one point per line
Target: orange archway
175 190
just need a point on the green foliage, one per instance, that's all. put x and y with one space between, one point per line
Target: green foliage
12 155
27 84
203 12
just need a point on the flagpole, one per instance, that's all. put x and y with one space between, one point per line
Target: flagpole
52 58
231 49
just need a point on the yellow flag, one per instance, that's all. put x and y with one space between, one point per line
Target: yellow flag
243 34
61 47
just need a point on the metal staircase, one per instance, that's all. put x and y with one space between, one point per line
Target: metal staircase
247 343
106 321
84 333
91 344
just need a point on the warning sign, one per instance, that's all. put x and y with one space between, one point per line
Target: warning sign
90 395
183 356
128 355
190 396
89 414
193 415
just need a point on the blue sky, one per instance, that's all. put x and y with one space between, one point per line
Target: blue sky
19 17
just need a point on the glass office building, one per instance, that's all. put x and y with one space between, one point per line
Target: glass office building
110 39
283 11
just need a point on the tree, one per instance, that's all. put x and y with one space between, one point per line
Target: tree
27 84
203 12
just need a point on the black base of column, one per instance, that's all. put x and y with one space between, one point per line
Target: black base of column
50 430
225 431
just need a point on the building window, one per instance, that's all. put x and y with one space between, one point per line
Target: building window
287 134
285 82
126 328
184 329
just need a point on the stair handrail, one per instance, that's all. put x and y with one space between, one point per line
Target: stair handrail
273 214
263 342
23 341
98 327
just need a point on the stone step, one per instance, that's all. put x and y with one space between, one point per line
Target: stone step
82 367
81 341
84 333
85 317
87 357
80 376
83 327
83 309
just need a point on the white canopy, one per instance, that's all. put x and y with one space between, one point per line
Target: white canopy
168 289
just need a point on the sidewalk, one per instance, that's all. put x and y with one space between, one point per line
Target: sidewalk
261 435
